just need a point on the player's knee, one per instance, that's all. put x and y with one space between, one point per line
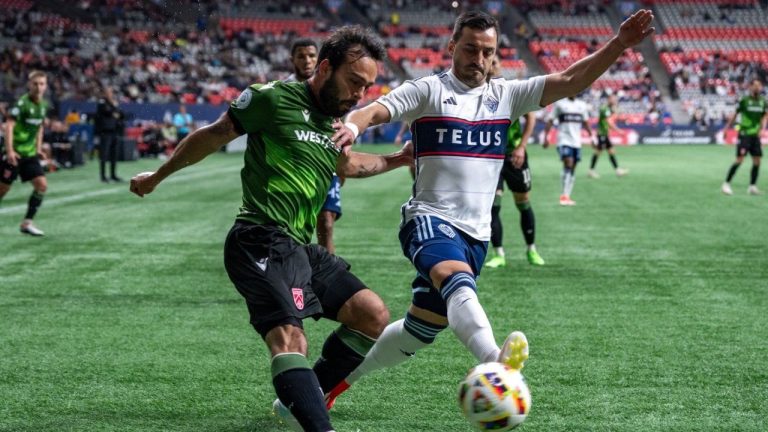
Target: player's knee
442 271
366 313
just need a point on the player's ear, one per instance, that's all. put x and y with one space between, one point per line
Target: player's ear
324 69
451 47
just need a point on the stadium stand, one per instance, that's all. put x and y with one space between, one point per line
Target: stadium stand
206 52
712 49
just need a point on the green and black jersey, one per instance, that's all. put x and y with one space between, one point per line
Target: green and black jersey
602 122
29 116
289 160
514 137
751 112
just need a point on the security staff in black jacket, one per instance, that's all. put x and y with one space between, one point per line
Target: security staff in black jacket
108 126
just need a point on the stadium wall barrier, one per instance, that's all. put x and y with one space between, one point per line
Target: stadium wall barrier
652 134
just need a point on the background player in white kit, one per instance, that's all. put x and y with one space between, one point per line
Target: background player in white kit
571 115
459 125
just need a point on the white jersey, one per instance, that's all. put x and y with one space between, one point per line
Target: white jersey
459 137
569 116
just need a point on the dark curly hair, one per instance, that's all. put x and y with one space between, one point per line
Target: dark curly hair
477 20
353 42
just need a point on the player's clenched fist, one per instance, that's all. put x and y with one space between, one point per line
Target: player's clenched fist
143 183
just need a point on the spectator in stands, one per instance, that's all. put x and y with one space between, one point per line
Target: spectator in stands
108 126
169 137
73 117
183 122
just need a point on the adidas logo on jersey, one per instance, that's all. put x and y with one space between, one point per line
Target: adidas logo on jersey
450 101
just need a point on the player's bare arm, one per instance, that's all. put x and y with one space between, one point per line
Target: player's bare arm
39 144
361 165
547 128
371 115
584 72
11 155
592 139
192 149
518 154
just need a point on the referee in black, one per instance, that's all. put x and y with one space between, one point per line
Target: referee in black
108 126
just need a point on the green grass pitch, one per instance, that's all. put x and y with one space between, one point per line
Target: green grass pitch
649 315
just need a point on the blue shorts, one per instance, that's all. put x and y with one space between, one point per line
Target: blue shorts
429 240
569 152
333 200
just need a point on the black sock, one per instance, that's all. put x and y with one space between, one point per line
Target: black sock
753 174
732 172
613 161
298 389
497 229
594 162
527 222
343 351
35 200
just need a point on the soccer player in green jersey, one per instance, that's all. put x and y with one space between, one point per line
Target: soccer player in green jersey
517 174
289 161
606 122
304 61
753 114
23 148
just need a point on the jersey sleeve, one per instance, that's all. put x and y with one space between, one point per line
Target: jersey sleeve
525 95
253 109
406 102
15 111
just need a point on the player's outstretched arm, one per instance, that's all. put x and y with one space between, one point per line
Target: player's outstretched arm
192 149
357 121
584 72
359 165
11 154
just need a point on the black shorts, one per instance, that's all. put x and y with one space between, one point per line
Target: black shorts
284 281
603 142
28 168
517 179
749 144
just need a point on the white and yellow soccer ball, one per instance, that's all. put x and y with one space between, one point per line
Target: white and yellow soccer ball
494 397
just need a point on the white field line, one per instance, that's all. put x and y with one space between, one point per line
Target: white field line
124 189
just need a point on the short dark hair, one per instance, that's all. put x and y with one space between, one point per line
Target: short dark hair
300 43
477 20
354 41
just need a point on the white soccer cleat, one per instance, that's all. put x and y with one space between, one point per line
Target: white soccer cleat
29 228
621 172
593 174
514 351
284 416
726 189
565 200
753 190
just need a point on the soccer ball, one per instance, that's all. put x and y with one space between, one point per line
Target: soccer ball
494 397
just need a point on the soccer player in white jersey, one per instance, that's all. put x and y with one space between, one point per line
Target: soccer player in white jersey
459 124
571 115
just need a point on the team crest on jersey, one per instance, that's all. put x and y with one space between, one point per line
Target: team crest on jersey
305 113
447 230
244 99
491 103
298 298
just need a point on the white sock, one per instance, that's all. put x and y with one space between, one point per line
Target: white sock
499 251
563 176
394 346
570 179
469 323
531 247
